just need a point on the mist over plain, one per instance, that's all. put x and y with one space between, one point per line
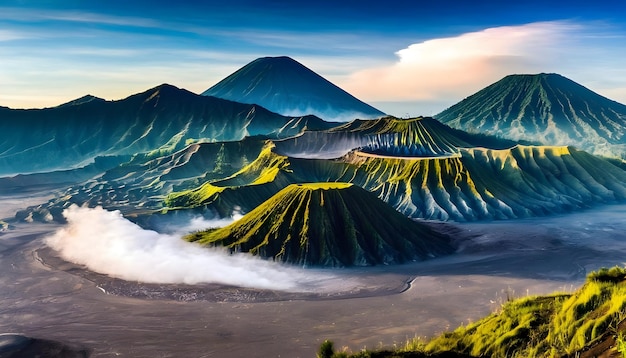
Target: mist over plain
106 242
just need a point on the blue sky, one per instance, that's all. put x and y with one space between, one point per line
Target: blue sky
405 57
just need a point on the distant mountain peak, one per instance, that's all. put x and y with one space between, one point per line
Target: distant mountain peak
164 90
276 59
82 100
540 74
547 108
283 85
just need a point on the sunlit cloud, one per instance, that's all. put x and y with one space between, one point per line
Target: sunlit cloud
448 69
455 65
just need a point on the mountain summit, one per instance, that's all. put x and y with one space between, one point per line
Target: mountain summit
546 107
285 86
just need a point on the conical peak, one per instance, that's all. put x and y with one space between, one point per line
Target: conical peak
277 60
328 224
82 100
536 75
546 108
539 79
285 86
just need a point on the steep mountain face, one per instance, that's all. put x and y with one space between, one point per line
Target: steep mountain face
160 121
475 184
328 224
492 184
285 86
548 108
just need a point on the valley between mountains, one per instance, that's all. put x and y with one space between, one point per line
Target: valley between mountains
276 205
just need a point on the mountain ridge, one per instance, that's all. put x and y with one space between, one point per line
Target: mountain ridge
159 120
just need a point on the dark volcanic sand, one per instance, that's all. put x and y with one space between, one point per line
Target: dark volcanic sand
57 301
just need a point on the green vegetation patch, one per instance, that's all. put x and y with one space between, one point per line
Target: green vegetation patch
520 325
262 170
194 197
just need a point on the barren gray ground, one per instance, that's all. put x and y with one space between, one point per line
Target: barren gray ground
52 300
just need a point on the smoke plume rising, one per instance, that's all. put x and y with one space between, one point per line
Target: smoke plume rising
106 242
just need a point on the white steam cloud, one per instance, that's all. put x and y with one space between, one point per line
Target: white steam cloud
107 243
200 223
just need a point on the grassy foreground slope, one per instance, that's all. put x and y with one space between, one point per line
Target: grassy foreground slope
328 224
587 323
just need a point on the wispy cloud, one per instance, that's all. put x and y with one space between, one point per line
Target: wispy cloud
30 15
10 35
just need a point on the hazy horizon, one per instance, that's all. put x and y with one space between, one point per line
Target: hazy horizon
407 59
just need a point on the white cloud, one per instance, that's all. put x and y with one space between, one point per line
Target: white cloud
18 14
456 65
8 35
445 70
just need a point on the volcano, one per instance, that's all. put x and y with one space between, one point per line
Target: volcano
285 86
546 107
328 224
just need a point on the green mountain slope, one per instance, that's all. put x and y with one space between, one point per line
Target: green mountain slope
557 325
548 108
328 224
